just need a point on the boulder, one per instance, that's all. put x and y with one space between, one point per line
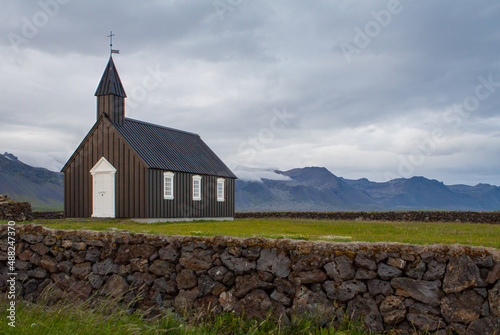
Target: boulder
198 259
367 311
426 323
364 274
494 299
239 265
274 262
245 284
139 264
396 262
308 263
377 286
308 277
183 302
116 286
461 273
205 285
165 286
344 291
169 253
81 270
105 267
229 302
161 268
256 305
463 307
428 292
494 274
93 255
387 272
485 326
49 263
393 310
340 269
95 281
363 259
217 273
435 270
313 305
186 279
415 269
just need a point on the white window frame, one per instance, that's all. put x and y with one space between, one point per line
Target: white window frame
221 194
166 176
197 195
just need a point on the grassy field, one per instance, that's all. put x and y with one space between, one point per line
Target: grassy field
108 317
340 231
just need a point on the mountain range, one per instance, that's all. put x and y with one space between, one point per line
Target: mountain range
317 189
302 189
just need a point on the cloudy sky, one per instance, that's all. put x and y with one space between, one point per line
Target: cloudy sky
376 89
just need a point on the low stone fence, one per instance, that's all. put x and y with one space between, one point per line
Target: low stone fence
419 216
48 215
16 211
439 288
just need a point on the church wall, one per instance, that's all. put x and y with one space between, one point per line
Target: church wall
183 204
130 178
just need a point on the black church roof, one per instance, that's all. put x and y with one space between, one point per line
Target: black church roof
171 149
110 82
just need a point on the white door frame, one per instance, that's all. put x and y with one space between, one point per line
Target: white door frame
104 172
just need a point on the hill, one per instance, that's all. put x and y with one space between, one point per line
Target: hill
44 189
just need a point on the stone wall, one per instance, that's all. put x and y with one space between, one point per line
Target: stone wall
14 211
448 289
48 215
418 216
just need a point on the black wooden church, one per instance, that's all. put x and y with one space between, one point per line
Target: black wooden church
127 168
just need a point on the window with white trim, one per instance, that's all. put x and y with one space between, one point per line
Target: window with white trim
220 189
168 185
196 187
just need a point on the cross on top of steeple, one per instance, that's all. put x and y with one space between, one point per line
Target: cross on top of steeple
111 50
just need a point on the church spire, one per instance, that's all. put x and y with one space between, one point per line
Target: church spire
111 94
110 82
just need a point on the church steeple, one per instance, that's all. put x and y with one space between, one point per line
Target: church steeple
111 95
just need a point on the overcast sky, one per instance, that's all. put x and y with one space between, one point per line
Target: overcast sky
376 89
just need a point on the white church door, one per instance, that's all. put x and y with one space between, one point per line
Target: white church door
103 189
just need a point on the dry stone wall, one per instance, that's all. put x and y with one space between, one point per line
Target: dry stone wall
439 288
418 216
14 211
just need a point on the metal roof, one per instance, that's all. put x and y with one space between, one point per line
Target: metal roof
172 149
110 82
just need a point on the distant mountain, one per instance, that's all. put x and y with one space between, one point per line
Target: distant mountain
44 189
317 189
308 189
304 189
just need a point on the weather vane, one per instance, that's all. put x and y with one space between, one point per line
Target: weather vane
111 43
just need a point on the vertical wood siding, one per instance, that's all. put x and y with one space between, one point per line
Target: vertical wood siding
183 204
113 106
130 178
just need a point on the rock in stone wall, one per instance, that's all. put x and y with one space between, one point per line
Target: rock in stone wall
439 288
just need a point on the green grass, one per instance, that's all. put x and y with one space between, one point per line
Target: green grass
423 233
108 317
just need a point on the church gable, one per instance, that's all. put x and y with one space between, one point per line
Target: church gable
103 141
